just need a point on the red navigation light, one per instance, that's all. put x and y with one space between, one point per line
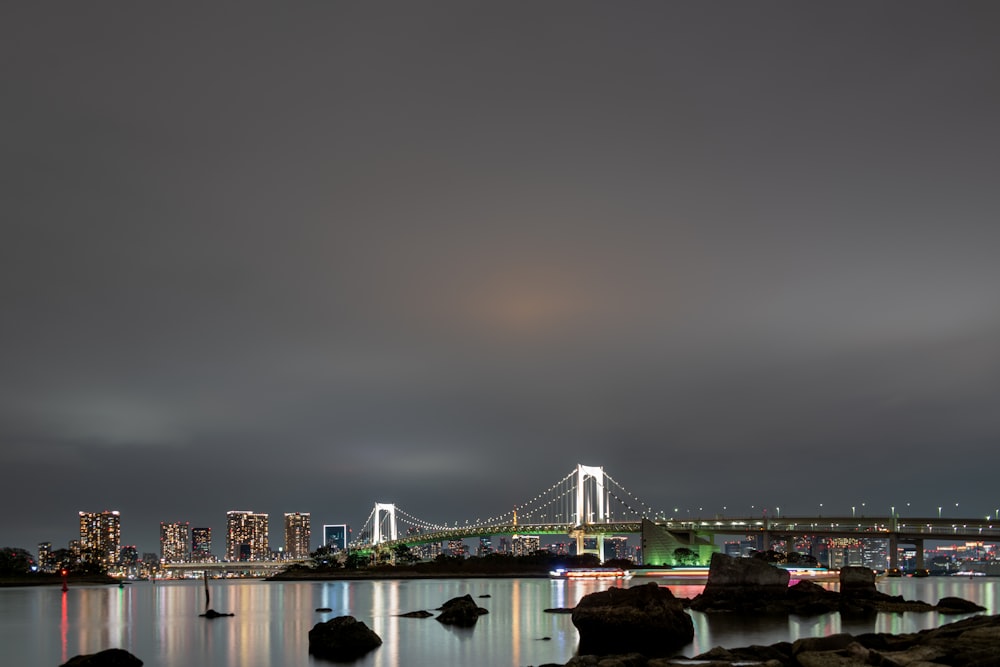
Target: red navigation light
64 572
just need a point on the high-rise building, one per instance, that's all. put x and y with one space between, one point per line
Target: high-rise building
616 547
246 536
297 534
458 549
175 542
45 557
485 547
201 545
335 536
100 536
524 545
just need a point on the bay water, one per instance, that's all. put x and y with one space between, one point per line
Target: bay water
159 622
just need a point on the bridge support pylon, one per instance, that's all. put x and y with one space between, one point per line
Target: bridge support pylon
378 536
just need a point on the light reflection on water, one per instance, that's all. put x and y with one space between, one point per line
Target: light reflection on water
160 623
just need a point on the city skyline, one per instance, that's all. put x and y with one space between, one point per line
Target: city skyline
743 255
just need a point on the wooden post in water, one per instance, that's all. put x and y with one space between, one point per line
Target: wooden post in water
206 590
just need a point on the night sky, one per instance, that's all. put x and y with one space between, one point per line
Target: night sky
308 257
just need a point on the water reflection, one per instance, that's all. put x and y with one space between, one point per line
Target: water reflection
160 624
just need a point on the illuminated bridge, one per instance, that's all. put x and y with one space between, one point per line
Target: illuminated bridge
589 503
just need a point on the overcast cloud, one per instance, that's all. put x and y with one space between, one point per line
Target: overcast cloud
309 257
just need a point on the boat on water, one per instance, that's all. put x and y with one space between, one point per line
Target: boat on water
589 573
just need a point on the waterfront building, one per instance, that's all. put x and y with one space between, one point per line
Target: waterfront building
335 536
246 536
560 548
524 545
297 535
44 556
616 547
175 542
485 547
458 548
201 545
100 537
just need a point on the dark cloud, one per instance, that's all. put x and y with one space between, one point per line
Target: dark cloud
306 259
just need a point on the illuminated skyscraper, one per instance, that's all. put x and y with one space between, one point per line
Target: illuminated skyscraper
175 542
45 556
524 545
297 534
335 536
246 536
100 536
201 545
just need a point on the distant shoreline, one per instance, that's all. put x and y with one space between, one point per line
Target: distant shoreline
56 580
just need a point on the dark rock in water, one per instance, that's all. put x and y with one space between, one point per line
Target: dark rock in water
211 613
416 614
857 582
112 657
950 605
743 584
342 639
323 609
485 595
559 610
462 611
545 639
648 619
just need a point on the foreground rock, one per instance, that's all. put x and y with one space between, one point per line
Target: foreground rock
463 612
416 614
972 642
113 657
751 586
211 613
647 619
342 639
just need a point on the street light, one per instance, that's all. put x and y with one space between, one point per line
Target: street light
852 511
939 512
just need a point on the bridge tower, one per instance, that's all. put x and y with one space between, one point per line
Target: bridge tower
586 505
377 535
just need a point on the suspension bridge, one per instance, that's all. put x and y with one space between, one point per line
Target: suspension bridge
589 503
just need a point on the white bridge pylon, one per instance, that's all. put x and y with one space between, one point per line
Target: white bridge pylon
377 536
583 516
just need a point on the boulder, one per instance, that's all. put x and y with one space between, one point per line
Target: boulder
416 614
112 657
950 605
858 582
342 639
743 584
462 611
647 619
211 613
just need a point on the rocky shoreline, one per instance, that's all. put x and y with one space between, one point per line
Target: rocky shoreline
645 625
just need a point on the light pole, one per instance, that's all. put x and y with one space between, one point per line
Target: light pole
852 511
939 512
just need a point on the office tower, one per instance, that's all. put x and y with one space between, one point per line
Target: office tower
524 545
616 547
201 545
297 534
175 541
100 536
335 536
485 547
457 548
246 536
128 556
44 556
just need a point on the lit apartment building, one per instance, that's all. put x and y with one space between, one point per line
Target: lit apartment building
175 542
100 536
524 545
246 536
297 534
201 545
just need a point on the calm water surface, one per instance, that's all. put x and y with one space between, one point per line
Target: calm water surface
160 624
